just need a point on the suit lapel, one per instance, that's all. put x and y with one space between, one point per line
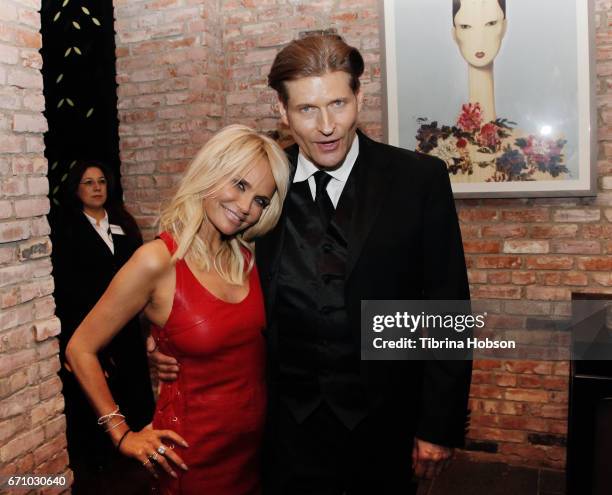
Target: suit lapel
372 176
89 230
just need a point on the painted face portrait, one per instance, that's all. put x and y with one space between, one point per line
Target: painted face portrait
479 28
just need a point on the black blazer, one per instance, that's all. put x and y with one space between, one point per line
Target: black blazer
404 243
83 267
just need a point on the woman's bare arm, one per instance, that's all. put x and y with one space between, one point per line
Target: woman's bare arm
130 291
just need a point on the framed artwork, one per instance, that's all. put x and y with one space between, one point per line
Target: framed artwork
501 90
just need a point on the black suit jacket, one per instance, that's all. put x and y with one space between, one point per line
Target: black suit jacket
404 243
83 267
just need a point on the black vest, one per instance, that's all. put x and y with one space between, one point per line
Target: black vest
318 358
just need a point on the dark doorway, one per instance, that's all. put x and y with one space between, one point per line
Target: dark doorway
79 87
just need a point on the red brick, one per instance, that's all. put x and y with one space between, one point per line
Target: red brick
11 427
13 186
487 364
577 215
549 262
505 231
13 383
524 246
498 406
557 411
530 381
21 444
47 410
595 263
549 278
489 247
574 278
25 208
553 231
47 328
531 215
498 262
24 78
19 402
506 380
49 449
34 248
477 215
576 247
486 391
597 231
523 278
499 277
477 277
526 395
548 293
481 377
537 367
496 292
29 123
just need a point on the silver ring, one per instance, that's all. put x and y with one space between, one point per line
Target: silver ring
161 449
153 456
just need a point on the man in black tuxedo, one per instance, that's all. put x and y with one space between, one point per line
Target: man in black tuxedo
362 221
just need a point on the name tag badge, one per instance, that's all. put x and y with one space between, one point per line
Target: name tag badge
116 230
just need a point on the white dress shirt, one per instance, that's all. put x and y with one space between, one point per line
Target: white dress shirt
306 169
103 230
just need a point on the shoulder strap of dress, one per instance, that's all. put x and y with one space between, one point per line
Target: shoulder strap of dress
168 241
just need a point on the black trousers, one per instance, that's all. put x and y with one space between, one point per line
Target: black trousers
321 456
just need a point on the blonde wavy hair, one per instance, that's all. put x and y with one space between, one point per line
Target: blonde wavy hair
227 156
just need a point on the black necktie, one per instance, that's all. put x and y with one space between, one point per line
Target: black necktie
322 199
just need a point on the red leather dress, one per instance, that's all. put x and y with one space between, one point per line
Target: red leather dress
218 402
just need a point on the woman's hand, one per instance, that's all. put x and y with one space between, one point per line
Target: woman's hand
148 446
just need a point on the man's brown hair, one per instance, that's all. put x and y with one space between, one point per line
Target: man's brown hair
314 56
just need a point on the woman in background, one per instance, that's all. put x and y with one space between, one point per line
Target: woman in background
197 283
93 236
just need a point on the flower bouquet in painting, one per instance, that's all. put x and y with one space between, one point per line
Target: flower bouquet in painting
495 151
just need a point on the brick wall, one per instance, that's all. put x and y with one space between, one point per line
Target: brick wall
528 256
171 93
254 31
525 255
185 68
31 421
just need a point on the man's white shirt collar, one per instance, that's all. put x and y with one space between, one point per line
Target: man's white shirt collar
306 169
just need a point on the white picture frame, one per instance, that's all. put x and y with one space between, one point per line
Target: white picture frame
539 87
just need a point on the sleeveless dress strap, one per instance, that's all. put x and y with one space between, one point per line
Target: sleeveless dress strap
168 241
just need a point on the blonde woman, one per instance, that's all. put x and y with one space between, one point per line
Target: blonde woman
198 285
